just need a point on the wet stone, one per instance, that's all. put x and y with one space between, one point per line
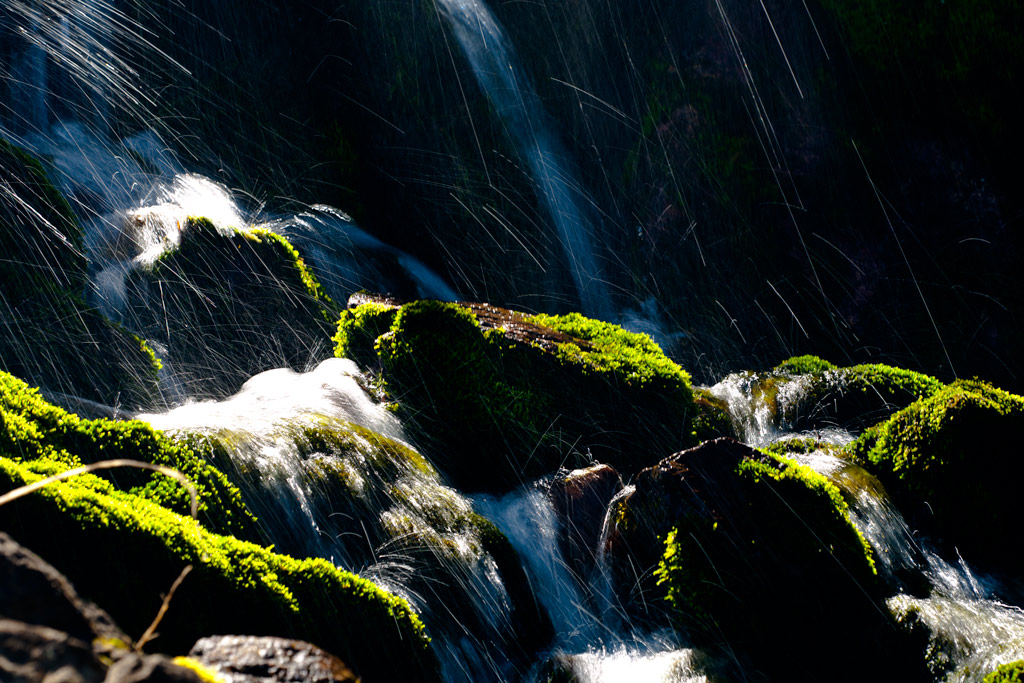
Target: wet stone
253 659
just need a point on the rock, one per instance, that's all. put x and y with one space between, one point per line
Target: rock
252 659
951 462
581 500
50 336
230 304
137 668
755 553
30 653
32 591
530 392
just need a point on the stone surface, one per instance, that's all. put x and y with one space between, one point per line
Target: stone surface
252 659
581 500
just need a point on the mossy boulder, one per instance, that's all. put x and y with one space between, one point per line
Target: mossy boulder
123 551
46 438
229 304
754 553
952 463
48 335
530 393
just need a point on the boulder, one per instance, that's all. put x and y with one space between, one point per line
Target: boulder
228 304
529 393
756 555
251 659
581 499
951 462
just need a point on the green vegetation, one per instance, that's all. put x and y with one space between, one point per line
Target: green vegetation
956 453
758 551
527 390
113 544
1007 673
804 365
47 439
48 335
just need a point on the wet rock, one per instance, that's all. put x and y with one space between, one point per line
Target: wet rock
581 500
534 392
137 668
253 659
30 653
756 553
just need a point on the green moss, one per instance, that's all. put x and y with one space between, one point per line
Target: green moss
803 365
956 451
712 419
633 358
123 551
1007 673
33 430
527 390
359 328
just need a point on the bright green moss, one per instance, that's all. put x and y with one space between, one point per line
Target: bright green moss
290 255
1007 673
359 328
803 365
529 391
634 358
32 429
955 450
123 551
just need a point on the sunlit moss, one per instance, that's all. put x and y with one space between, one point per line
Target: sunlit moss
34 430
527 390
802 365
955 451
113 544
1012 672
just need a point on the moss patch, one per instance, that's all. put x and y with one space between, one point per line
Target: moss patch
45 438
1007 673
115 545
531 392
952 460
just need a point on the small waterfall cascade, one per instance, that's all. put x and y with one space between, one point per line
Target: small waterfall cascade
971 628
499 74
328 473
590 643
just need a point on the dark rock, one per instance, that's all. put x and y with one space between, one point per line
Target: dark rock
32 591
754 553
30 653
137 668
581 500
252 659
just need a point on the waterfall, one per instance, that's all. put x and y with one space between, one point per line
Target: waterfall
501 77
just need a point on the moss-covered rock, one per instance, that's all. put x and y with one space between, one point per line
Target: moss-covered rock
46 438
952 462
123 551
48 335
755 553
527 391
229 305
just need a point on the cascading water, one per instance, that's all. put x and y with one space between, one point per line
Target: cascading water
500 75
